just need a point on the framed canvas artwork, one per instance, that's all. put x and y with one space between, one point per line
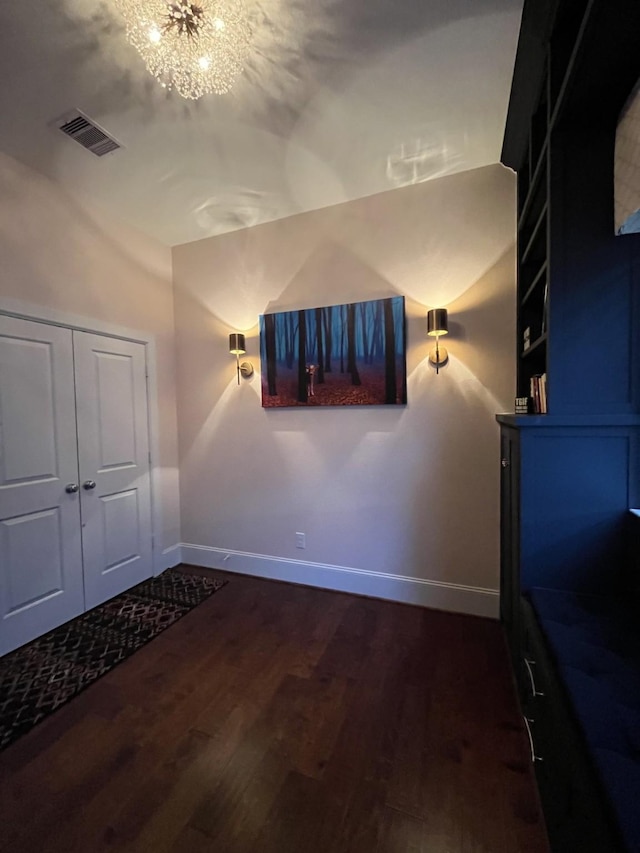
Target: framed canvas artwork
340 355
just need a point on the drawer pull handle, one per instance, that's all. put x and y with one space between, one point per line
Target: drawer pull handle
534 757
534 689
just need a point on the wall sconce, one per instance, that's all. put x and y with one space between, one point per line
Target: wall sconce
237 348
438 324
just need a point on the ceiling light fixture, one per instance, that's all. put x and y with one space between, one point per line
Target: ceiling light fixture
193 47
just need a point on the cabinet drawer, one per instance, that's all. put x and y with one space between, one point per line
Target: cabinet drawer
573 804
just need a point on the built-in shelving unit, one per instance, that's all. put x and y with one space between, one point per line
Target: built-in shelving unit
555 139
578 284
568 477
533 243
567 27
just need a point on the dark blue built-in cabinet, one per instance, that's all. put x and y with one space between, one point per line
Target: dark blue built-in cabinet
570 476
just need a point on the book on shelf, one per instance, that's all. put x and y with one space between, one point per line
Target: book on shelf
538 392
526 339
543 394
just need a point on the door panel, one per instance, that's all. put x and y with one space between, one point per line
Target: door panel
34 539
120 535
28 421
113 452
41 582
115 389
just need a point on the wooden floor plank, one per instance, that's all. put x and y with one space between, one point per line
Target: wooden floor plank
277 719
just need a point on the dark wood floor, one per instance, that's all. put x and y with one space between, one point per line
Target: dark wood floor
282 719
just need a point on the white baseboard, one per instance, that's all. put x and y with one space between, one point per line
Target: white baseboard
475 601
167 559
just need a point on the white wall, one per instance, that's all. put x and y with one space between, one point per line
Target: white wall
399 502
60 257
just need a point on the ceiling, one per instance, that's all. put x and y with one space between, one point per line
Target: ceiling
340 99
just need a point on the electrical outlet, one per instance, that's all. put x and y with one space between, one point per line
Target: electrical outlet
301 540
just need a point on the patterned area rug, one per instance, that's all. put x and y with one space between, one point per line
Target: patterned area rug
38 678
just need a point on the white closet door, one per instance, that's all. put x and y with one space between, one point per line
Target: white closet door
113 454
40 551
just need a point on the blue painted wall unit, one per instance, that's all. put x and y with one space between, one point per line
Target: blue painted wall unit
570 477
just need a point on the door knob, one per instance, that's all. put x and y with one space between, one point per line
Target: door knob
72 488
504 463
88 485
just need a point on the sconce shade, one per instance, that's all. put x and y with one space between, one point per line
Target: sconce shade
437 322
236 344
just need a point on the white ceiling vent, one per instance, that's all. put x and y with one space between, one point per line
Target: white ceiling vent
85 131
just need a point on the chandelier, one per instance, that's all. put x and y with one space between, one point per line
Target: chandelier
194 47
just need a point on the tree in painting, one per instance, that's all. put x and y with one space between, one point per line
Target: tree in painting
341 355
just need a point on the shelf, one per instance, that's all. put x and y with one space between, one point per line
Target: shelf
586 421
557 105
539 124
534 346
535 233
536 281
534 184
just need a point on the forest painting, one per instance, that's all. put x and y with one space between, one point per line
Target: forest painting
342 355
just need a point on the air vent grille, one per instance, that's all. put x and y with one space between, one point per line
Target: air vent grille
85 131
